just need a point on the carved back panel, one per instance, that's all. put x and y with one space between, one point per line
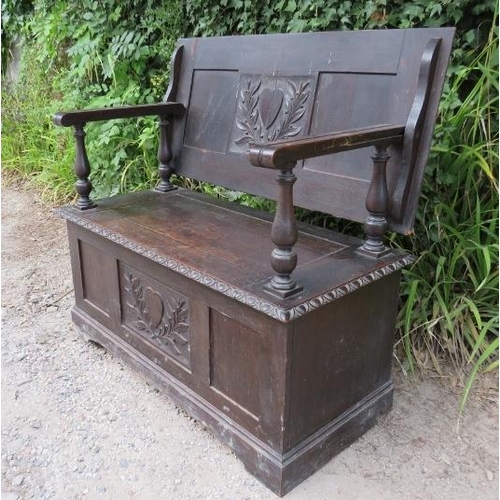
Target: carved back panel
271 87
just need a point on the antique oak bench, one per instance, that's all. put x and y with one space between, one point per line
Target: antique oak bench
276 335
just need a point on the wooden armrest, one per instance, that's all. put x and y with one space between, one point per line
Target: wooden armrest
67 119
282 154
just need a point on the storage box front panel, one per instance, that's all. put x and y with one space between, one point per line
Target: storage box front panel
97 295
247 369
232 359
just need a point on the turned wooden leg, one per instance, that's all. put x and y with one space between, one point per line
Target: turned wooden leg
82 170
377 204
165 168
284 234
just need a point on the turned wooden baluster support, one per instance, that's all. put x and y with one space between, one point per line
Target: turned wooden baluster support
82 170
165 168
284 235
377 204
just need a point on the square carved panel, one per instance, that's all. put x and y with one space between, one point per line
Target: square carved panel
271 108
156 312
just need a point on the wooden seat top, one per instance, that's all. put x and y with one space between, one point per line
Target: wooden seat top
226 247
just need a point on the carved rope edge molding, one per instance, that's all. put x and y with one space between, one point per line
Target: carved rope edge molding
261 305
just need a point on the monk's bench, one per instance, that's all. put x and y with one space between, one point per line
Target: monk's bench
278 336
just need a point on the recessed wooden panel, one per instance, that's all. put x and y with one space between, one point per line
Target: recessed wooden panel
98 271
342 357
211 110
156 312
364 100
236 370
354 100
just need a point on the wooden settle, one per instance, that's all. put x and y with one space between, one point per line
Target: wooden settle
277 335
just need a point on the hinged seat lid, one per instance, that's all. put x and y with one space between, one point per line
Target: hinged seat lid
226 247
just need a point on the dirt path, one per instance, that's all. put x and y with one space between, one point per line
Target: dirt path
77 423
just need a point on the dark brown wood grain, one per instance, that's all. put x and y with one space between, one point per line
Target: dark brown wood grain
175 68
165 168
410 176
284 235
280 154
68 118
277 335
377 205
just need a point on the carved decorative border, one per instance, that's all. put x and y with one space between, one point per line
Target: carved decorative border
262 305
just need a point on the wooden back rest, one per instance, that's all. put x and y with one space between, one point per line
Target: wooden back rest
272 87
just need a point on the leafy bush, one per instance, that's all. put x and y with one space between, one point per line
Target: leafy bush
32 147
451 292
93 54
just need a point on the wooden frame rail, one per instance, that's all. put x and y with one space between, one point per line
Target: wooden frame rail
69 118
78 120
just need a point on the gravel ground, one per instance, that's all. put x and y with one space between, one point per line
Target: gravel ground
77 423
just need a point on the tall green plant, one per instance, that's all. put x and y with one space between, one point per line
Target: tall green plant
451 296
32 148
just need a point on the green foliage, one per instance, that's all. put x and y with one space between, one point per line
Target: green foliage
14 15
90 53
32 147
228 17
451 293
109 53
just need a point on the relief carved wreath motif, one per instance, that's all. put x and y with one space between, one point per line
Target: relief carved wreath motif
163 320
271 114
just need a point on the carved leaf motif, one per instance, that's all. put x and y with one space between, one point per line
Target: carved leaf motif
165 321
271 114
175 325
139 302
296 111
248 112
